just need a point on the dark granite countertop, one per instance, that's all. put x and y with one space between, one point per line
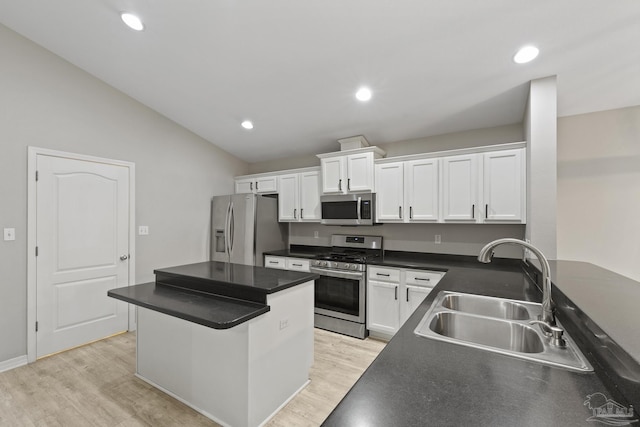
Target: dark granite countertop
210 310
214 294
416 381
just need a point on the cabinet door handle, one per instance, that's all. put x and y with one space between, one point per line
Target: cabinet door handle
301 213
407 294
340 184
396 292
273 262
473 211
410 212
256 185
486 211
400 212
423 278
382 274
251 186
295 214
349 184
297 265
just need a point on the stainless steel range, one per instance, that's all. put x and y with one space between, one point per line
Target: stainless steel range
340 292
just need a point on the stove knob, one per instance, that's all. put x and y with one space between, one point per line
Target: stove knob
347 266
324 263
354 266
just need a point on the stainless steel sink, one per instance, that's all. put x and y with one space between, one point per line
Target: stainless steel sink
498 325
487 331
487 306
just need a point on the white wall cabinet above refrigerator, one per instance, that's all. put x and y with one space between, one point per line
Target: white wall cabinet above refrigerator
349 171
299 197
256 184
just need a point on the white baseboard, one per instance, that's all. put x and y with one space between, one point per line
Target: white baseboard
13 363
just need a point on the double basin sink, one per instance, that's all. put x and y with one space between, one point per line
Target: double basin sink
498 325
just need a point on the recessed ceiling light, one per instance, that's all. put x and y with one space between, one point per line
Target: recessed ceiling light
247 124
526 54
132 21
363 94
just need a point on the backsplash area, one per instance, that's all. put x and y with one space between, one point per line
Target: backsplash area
458 239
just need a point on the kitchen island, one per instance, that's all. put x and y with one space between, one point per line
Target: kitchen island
234 342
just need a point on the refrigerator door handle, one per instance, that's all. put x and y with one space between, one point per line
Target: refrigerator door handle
226 230
232 230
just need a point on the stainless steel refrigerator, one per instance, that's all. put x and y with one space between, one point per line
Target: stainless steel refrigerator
244 226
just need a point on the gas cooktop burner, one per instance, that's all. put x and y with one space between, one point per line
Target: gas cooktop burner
347 257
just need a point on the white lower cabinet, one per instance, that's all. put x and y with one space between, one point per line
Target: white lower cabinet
286 263
393 294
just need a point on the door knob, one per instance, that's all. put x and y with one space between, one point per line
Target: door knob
124 257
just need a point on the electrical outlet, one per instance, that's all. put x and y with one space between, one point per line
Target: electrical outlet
284 323
143 230
438 239
316 234
9 234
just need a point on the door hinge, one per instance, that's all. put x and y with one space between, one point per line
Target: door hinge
36 175
36 251
36 326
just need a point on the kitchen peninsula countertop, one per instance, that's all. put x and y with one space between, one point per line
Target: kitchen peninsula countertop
417 381
214 294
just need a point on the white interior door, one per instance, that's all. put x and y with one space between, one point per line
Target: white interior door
82 233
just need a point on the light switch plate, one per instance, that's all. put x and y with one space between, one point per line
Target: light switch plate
143 230
9 234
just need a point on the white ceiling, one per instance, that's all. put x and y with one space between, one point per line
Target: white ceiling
293 66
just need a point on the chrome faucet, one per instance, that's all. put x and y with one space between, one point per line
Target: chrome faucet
548 309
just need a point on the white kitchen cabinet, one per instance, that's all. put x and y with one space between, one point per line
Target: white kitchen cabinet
393 294
422 190
256 184
299 197
460 188
349 171
271 261
390 192
310 196
407 191
485 187
504 186
286 263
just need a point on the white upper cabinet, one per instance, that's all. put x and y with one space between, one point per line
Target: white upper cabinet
310 196
333 173
256 184
504 186
390 192
421 187
460 188
360 172
349 171
299 197
288 204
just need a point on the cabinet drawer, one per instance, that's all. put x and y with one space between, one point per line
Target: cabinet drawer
384 274
274 262
297 264
423 277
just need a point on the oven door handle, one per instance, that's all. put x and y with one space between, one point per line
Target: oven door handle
339 274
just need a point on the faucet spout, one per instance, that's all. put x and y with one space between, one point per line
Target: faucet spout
486 254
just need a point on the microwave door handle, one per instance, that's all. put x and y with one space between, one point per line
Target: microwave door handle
359 207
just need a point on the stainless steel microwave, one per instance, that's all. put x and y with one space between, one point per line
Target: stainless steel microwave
348 209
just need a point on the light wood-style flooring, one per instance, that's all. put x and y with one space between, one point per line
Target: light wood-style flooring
95 385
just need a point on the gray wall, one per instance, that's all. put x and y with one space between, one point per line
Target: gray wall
46 102
599 189
459 239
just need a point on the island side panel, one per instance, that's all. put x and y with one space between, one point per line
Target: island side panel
203 367
280 351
